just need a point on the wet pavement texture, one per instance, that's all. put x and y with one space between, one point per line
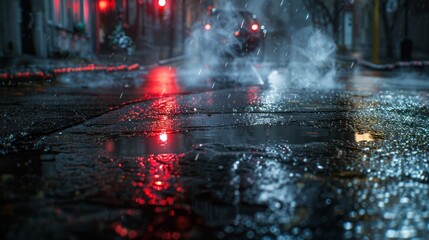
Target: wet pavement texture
156 159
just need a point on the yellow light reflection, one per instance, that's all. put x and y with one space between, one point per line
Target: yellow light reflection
364 137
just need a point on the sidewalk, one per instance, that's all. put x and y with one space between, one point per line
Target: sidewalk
32 67
364 59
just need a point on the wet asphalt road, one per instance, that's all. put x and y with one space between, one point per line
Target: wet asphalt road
154 155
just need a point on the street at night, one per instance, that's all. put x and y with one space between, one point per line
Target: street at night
289 140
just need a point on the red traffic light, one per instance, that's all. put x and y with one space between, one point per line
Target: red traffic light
162 3
103 5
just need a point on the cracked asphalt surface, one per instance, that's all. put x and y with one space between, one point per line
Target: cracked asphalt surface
145 156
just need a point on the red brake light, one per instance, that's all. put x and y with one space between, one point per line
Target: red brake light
207 27
255 26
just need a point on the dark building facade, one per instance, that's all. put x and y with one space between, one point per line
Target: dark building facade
47 28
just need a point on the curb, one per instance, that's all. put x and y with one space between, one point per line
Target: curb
393 66
172 60
385 67
41 73
36 72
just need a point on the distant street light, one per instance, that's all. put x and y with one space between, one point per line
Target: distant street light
162 3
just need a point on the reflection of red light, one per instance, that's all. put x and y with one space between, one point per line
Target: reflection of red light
183 222
160 81
156 186
253 95
207 27
121 230
132 234
110 146
163 137
157 179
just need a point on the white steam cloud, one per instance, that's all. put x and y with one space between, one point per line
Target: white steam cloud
212 53
307 55
311 62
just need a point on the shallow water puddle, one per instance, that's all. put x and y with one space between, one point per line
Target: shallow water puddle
161 142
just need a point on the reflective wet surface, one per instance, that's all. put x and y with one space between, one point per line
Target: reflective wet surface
241 161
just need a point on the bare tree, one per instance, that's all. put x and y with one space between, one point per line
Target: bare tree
326 14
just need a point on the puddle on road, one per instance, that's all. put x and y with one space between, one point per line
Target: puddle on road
179 142
235 173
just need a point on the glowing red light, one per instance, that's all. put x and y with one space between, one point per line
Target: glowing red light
160 81
163 137
162 3
255 27
121 230
132 234
76 8
237 33
207 27
103 5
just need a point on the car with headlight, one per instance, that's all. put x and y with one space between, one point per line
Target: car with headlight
232 33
